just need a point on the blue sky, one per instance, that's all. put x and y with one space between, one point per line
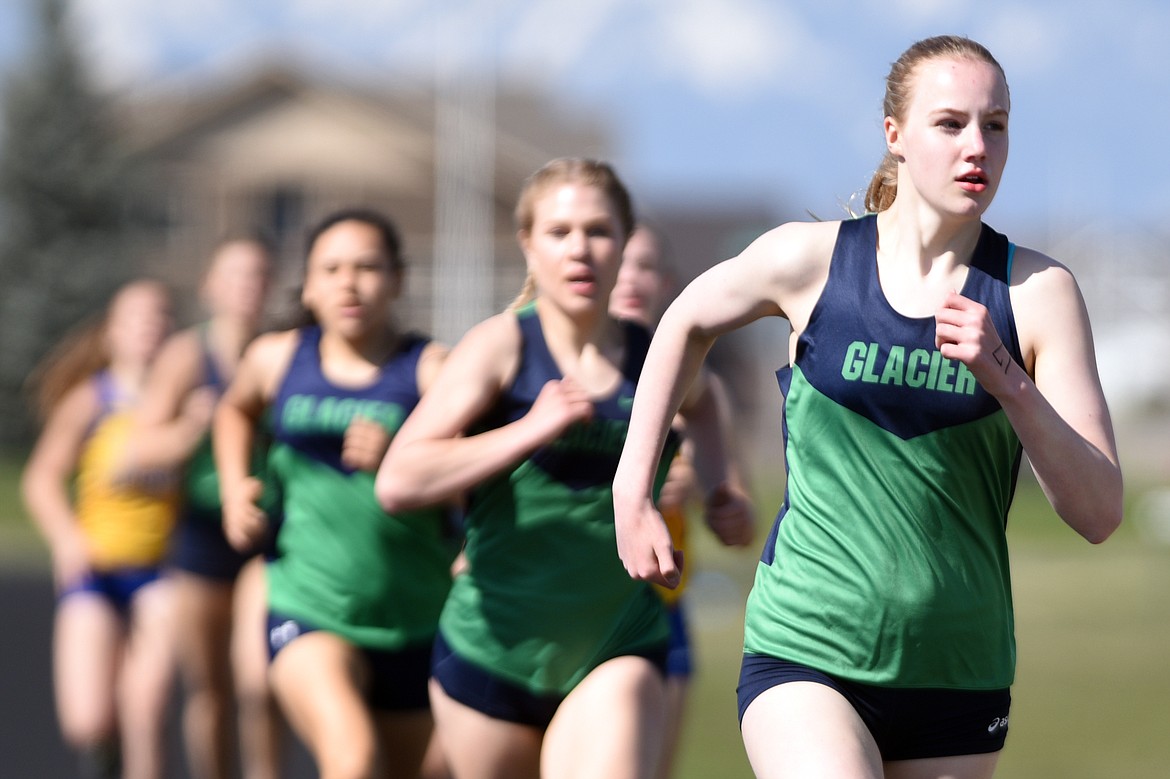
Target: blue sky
768 102
770 105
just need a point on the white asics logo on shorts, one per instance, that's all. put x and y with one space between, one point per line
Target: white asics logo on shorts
283 633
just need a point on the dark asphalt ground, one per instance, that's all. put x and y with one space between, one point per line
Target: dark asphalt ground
30 744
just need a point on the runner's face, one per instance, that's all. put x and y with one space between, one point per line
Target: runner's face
641 287
953 141
573 249
237 282
349 282
139 321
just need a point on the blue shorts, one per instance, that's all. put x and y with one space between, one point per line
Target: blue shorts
200 547
679 663
397 678
907 723
498 698
117 586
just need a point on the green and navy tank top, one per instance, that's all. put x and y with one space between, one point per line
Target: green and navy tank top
201 501
546 598
346 566
888 561
200 482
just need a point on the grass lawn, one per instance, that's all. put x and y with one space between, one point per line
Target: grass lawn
1092 694
1092 697
20 546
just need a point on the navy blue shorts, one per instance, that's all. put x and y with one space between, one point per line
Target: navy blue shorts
489 694
679 663
200 547
397 678
117 586
906 723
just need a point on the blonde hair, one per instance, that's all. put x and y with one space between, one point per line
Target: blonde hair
526 295
568 170
883 187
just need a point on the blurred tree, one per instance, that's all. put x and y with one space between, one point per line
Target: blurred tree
64 219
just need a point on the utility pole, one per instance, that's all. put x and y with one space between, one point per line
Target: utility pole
465 142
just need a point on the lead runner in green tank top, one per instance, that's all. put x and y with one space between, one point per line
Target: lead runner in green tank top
925 353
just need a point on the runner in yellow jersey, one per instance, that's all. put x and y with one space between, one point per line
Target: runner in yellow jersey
113 659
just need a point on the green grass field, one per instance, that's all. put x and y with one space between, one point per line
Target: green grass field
1092 695
1092 698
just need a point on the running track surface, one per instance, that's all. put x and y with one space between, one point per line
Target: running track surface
30 743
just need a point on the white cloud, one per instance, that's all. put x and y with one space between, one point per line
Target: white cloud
362 17
1030 42
926 10
551 38
733 47
130 41
117 39
469 35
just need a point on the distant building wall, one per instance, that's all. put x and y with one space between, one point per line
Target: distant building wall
277 151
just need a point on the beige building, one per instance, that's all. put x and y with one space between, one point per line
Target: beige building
277 151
